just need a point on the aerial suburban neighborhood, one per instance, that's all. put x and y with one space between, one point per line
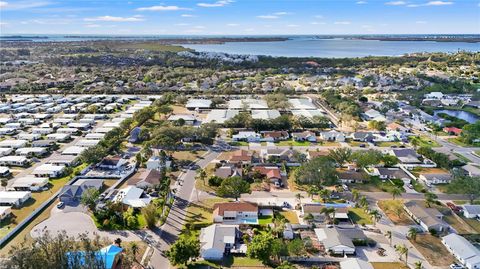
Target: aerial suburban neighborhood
239 134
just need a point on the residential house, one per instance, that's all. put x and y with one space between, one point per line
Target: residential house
240 156
341 213
390 173
304 136
145 178
4 171
112 162
452 130
348 176
463 250
275 136
362 136
14 198
235 213
218 240
247 136
5 212
220 115
187 118
276 155
407 157
14 161
14 144
436 178
64 160
471 211
332 136
373 114
272 173
155 162
428 218
29 183
471 170
49 170
133 197
312 154
395 127
73 150
301 103
73 193
228 171
265 114
339 241
198 104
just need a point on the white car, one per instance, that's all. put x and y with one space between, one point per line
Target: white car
456 266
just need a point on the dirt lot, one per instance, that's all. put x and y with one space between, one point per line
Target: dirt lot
433 250
395 212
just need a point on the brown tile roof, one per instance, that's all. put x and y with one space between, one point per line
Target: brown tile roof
268 171
145 175
220 208
314 154
241 156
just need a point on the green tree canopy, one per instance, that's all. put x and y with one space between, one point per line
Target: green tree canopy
185 248
233 187
319 171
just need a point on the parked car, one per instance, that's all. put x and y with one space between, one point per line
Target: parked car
362 145
456 266
60 205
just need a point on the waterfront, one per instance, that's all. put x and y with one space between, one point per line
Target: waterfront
464 115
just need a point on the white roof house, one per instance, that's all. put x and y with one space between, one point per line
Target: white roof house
58 137
111 124
5 212
5 151
189 119
66 160
355 264
29 183
7 131
42 130
301 103
13 160
310 113
94 136
463 250
198 103
248 104
221 115
10 143
132 196
14 198
67 130
215 239
79 125
73 150
87 143
48 170
265 114
4 170
28 151
28 136
471 211
103 130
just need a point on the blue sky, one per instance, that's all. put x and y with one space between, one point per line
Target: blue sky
224 17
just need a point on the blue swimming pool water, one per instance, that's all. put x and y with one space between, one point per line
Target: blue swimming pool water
250 221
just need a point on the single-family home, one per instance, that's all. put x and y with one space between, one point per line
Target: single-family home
471 170
349 176
145 178
275 136
220 115
228 171
312 154
248 136
186 118
29 183
4 171
304 136
133 197
452 130
65 160
471 211
436 178
14 160
406 156
31 151
5 212
58 137
218 240
390 173
14 144
463 250
241 156
198 104
14 198
339 241
48 170
73 193
362 136
5 151
112 162
272 173
235 213
265 114
332 136
73 150
373 114
428 218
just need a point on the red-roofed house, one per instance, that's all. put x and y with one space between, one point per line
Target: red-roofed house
271 172
241 157
452 130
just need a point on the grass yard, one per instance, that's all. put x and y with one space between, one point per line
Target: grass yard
229 262
477 152
395 212
265 220
201 212
425 141
389 265
292 143
187 155
291 216
328 143
462 158
359 216
456 141
388 144
355 143
374 184
433 250
459 224
475 224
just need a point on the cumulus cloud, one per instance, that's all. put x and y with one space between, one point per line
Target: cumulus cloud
438 3
420 22
215 4
161 8
361 2
396 3
23 4
317 23
115 19
92 25
187 15
3 4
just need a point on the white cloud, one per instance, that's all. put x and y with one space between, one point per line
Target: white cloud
161 8
281 13
115 19
361 2
317 23
438 3
396 3
215 4
187 15
421 22
293 25
3 23
233 24
182 24
267 17
342 22
92 25
23 4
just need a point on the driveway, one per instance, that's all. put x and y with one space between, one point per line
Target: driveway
74 222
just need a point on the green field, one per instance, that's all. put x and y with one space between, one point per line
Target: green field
359 216
292 143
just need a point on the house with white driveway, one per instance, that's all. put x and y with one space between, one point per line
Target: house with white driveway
463 250
218 240
235 213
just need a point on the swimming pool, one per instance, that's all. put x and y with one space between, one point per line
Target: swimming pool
250 221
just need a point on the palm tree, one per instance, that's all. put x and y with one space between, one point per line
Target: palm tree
312 190
202 175
299 197
329 213
134 249
388 234
412 233
402 250
395 192
308 217
376 216
418 265
430 198
363 202
415 141
324 193
355 194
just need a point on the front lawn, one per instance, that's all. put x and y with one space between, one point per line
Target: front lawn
187 155
388 144
425 141
359 216
265 220
229 262
375 184
433 250
201 212
389 265
292 143
291 216
475 224
456 141
238 143
395 212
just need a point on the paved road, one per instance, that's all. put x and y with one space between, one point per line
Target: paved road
162 238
